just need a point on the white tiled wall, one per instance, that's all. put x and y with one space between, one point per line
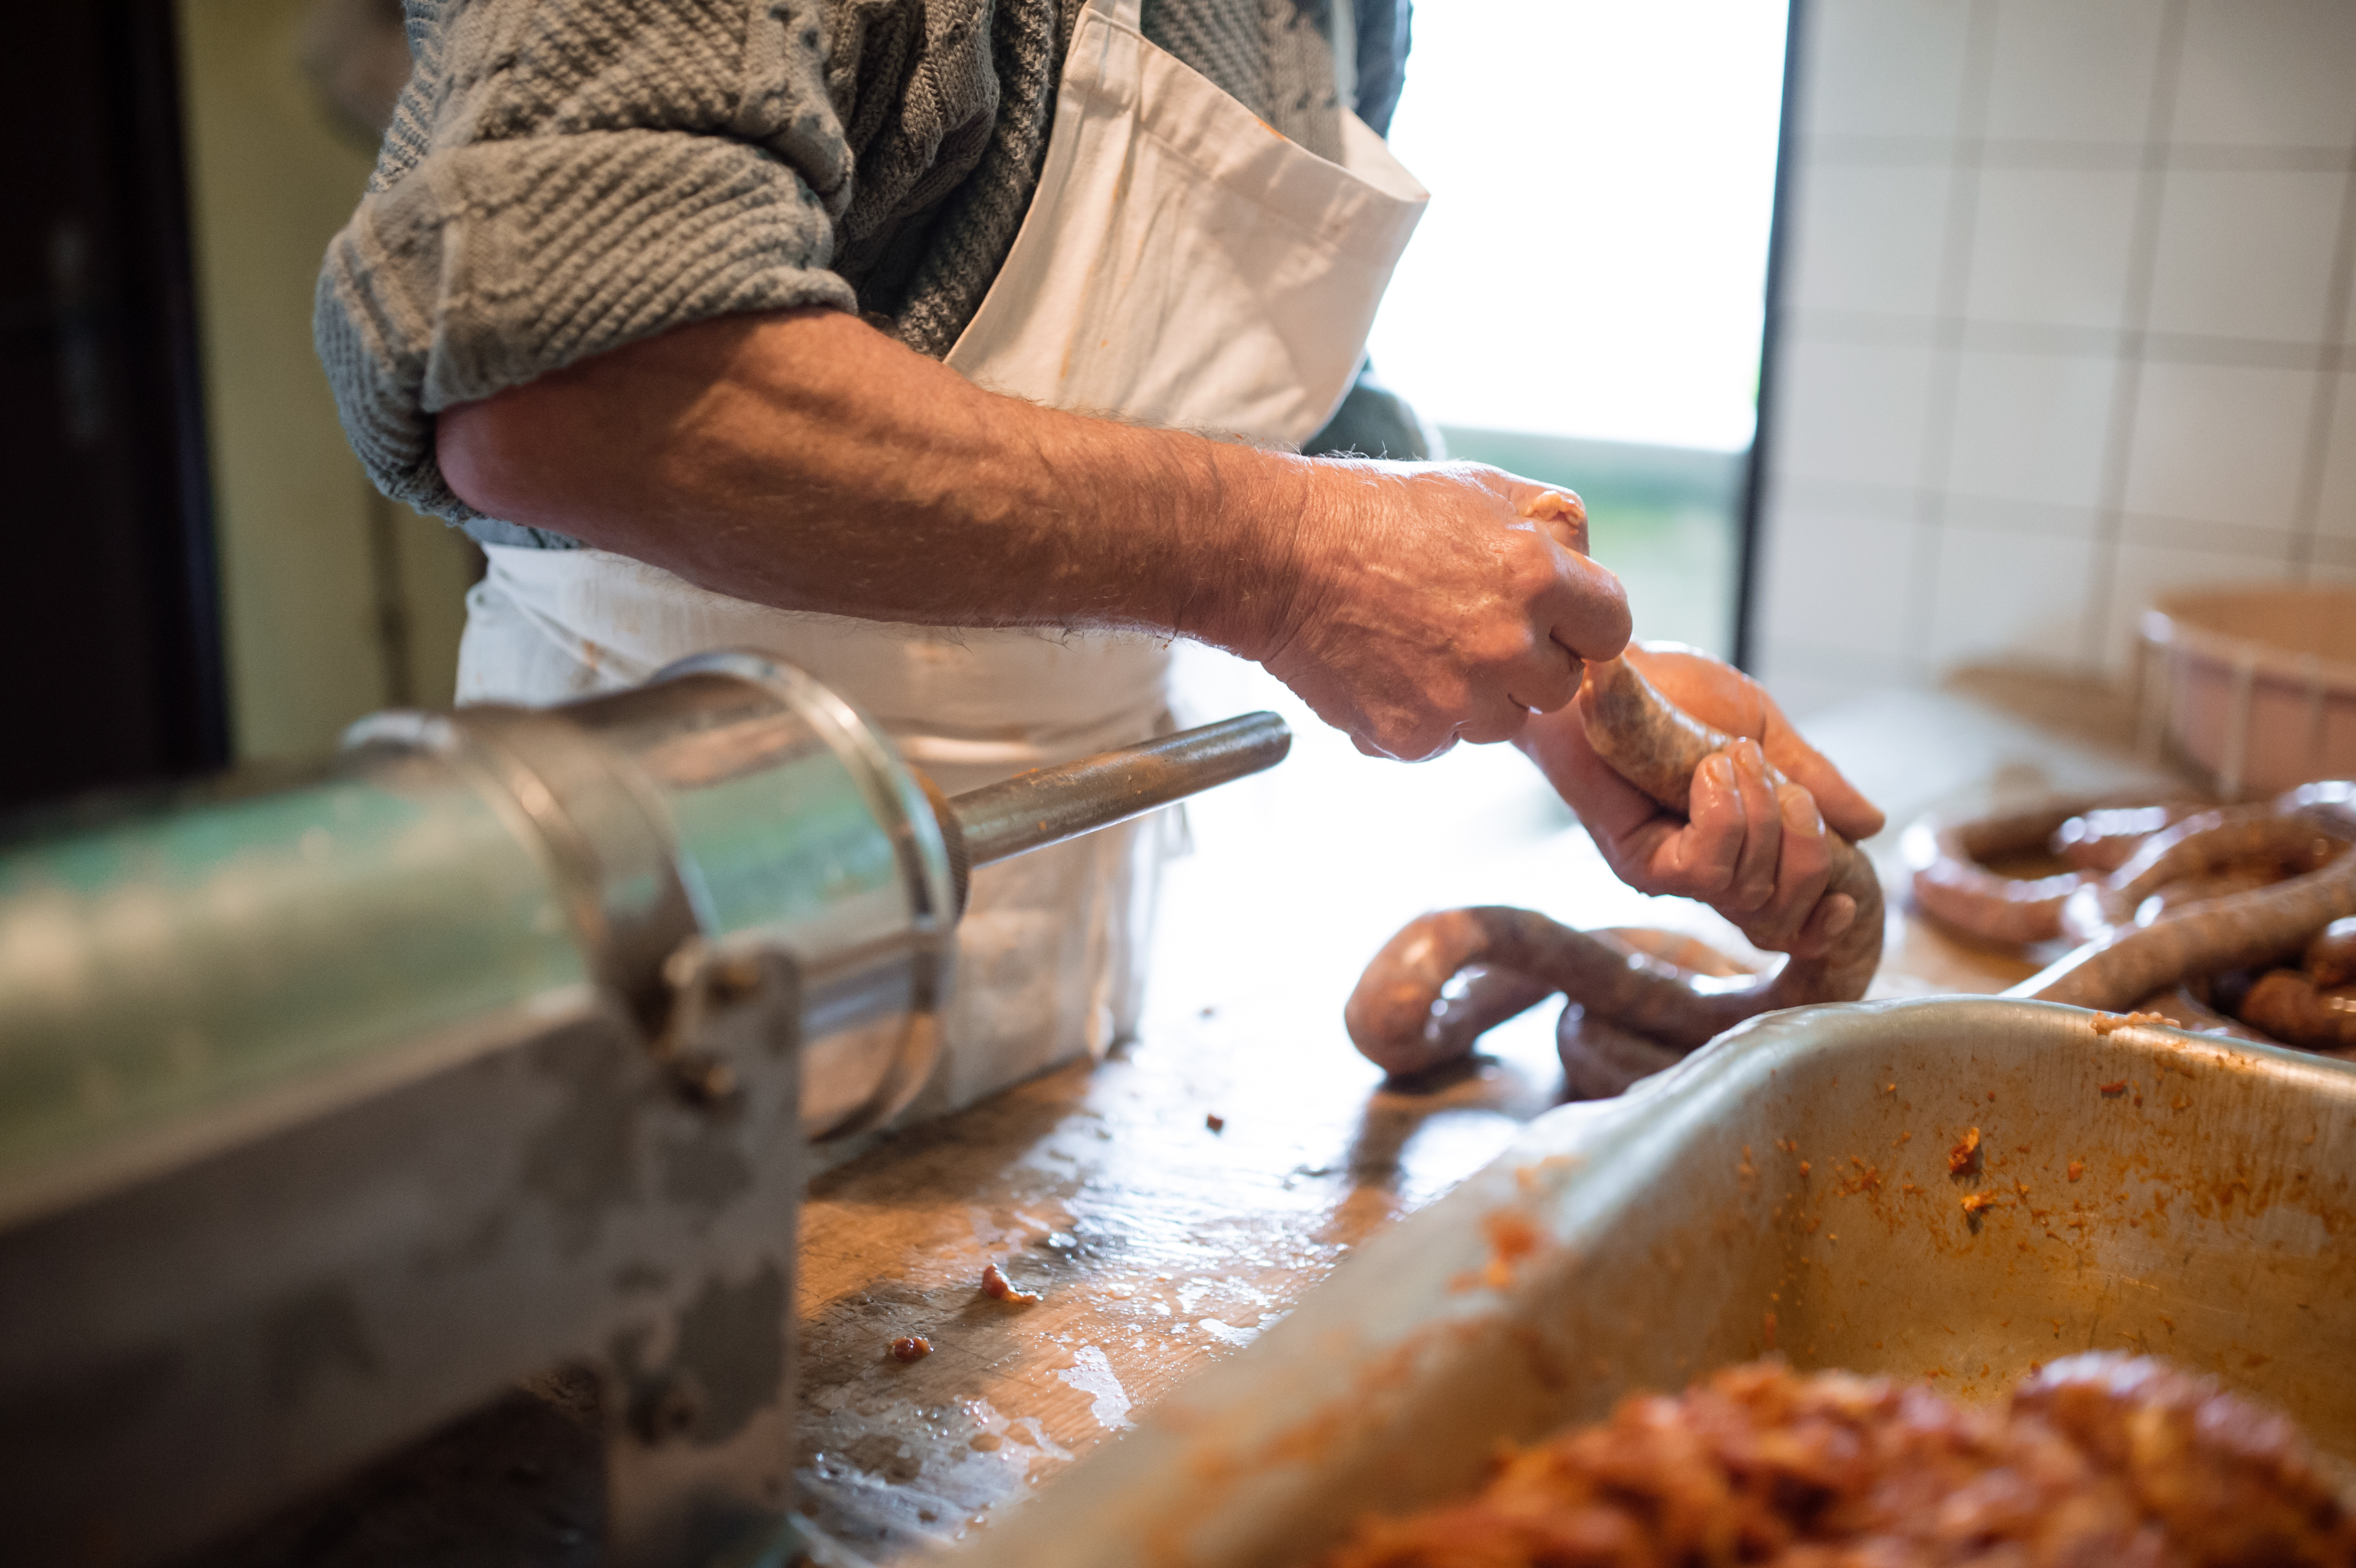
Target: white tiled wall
2067 323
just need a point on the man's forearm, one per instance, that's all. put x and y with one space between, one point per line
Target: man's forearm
805 461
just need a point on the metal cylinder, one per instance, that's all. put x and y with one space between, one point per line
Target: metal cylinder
166 980
184 978
730 798
177 980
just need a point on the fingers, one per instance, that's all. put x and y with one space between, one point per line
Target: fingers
1453 605
1587 610
1547 680
1795 916
1803 868
1831 917
1753 885
1589 616
1519 664
1757 852
1542 676
1700 862
1724 698
1498 718
1846 809
1560 512
1754 851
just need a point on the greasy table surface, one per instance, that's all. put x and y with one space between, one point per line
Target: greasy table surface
1174 1201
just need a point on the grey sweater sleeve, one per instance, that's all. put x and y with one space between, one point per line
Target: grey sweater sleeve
563 177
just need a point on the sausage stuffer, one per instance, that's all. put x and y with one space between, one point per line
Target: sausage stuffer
327 1112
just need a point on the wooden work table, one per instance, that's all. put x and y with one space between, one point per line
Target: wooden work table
1172 1202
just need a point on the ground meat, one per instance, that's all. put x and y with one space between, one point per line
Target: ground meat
2229 1481
2099 1460
995 1284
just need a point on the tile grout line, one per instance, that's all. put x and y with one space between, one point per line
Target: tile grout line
2307 518
2127 387
1932 472
2062 340
2082 157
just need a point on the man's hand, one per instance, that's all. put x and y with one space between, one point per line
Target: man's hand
1440 602
1753 852
805 461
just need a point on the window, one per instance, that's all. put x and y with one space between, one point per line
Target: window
1583 300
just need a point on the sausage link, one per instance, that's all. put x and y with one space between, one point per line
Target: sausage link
2121 962
2104 837
2331 956
2288 1005
1410 1013
1952 886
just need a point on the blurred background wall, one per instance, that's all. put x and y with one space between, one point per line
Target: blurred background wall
335 601
2065 322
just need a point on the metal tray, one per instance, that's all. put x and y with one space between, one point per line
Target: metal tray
1788 1188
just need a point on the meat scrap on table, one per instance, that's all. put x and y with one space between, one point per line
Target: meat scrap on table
996 1285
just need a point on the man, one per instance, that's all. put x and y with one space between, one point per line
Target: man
878 335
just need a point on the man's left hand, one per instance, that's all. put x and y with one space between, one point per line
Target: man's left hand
1751 850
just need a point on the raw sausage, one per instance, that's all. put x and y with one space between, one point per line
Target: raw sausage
2230 888
1412 1012
2288 1005
2331 956
2121 962
1953 885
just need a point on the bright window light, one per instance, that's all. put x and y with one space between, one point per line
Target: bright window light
1602 173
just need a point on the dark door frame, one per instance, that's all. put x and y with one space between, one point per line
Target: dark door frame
1755 476
113 633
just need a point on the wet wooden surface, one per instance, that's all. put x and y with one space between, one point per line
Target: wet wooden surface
1172 1202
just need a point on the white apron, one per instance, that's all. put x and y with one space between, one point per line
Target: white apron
1182 264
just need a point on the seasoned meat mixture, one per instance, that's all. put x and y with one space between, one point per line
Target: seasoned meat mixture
2101 1461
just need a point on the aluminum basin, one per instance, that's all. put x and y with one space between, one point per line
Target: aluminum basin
1788 1189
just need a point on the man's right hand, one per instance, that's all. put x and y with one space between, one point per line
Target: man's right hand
1437 603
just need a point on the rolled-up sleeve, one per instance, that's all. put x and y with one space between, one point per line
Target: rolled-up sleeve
566 177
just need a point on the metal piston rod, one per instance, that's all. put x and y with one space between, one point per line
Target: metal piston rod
1047 806
328 1113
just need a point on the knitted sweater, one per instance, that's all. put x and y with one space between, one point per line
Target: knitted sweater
565 177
